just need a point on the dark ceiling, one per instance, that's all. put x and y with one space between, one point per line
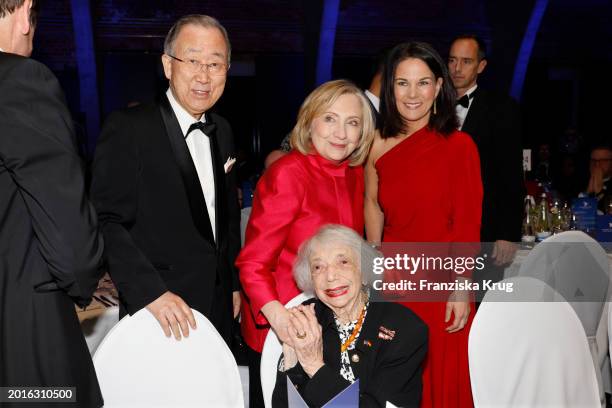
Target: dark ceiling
571 52
570 29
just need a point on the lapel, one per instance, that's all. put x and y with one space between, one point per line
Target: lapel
476 114
366 344
369 331
219 175
368 341
331 339
193 189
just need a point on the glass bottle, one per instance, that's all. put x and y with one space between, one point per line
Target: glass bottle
566 217
543 219
528 232
556 218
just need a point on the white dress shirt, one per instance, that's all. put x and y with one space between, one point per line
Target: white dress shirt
199 148
461 111
374 99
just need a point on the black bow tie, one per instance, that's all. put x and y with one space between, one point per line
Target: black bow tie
208 128
464 101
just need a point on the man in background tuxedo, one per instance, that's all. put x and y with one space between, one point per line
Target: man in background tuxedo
494 123
373 91
50 249
165 193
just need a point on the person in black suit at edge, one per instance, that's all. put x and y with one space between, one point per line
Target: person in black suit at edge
50 249
165 191
494 122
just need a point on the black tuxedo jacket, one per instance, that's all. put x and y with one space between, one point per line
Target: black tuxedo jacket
50 249
153 215
388 370
494 122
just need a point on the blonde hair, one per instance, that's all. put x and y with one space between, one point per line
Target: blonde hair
318 102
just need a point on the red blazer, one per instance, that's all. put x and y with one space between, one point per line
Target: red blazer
295 197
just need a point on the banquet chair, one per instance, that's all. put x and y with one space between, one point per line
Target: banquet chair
138 366
270 354
527 348
602 339
577 267
609 312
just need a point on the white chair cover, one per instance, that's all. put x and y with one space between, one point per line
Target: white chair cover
577 267
138 366
270 354
528 349
609 311
603 356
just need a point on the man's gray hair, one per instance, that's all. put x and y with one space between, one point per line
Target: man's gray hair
199 20
363 254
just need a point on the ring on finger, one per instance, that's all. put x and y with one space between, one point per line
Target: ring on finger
301 335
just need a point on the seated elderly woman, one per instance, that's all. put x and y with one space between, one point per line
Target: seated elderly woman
340 336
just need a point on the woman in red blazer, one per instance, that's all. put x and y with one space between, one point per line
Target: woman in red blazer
319 182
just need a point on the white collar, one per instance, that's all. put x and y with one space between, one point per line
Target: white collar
471 90
374 99
184 118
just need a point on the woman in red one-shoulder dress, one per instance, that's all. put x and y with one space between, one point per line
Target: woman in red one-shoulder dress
423 185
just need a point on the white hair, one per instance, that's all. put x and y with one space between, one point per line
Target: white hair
362 252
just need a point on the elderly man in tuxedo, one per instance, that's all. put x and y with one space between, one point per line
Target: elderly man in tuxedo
165 191
494 122
50 250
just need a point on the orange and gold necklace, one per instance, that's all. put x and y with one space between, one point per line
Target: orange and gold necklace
356 329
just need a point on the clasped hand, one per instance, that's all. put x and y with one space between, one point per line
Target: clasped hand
596 180
304 340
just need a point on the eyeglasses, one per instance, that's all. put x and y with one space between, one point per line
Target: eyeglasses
597 161
195 66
